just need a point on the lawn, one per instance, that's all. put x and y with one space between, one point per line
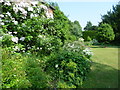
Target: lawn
104 70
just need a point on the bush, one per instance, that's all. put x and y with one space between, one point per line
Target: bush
39 51
23 71
88 38
105 33
90 33
69 66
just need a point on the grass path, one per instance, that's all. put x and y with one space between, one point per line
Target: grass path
104 71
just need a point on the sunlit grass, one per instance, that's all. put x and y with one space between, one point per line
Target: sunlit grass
104 71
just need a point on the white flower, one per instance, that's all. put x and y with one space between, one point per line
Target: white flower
2 23
81 39
23 50
31 15
15 22
1 15
8 13
13 19
1 1
40 48
56 65
24 13
7 3
35 15
34 3
1 37
30 9
87 51
22 4
9 32
17 48
15 9
29 47
15 39
40 36
44 7
22 38
15 32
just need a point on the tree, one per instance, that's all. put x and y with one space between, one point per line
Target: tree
94 28
76 29
88 26
105 33
113 18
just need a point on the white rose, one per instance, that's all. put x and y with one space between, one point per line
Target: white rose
15 22
8 13
9 32
30 9
2 23
56 65
15 32
15 39
22 38
1 15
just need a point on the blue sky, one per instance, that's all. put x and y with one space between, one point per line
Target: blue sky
86 11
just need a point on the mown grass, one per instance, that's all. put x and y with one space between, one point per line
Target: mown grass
104 70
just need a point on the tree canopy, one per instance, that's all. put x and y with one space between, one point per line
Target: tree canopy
113 18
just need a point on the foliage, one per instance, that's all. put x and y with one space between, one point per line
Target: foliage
38 50
69 66
88 26
95 42
113 18
41 34
88 38
105 33
76 29
90 33
22 71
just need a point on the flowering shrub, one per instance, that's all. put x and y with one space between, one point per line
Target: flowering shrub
66 67
76 46
26 24
71 65
87 52
27 30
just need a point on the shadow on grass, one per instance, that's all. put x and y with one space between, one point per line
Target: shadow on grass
101 76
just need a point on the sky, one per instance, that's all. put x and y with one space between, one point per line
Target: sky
85 10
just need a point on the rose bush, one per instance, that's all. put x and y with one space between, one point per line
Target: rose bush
28 33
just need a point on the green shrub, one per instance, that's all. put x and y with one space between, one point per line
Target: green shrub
38 52
88 38
105 33
13 71
23 71
90 33
70 65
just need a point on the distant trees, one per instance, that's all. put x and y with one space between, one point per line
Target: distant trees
89 26
113 18
76 29
105 33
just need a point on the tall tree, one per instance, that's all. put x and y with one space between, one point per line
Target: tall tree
88 26
113 18
76 29
105 33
